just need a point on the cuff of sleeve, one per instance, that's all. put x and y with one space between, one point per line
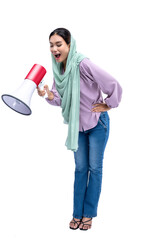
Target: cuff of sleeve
107 102
50 101
56 101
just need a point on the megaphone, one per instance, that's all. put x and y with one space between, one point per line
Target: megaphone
20 99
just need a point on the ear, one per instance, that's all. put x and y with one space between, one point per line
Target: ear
69 45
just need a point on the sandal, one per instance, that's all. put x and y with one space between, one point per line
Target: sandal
84 224
75 222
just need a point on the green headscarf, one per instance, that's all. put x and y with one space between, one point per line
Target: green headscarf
68 87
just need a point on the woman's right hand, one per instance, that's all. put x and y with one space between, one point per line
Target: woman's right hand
45 90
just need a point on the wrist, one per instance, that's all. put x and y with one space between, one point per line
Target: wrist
50 96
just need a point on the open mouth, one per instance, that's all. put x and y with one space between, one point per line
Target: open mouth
57 56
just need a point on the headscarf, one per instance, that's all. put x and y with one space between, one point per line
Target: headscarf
68 87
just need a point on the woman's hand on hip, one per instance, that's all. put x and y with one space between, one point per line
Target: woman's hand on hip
100 107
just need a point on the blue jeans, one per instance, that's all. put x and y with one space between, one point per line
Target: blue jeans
88 168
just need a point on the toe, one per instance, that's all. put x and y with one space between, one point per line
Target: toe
71 224
74 223
81 225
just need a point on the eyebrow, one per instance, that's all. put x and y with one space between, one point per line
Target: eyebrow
56 42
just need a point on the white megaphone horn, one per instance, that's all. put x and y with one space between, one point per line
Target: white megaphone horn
19 100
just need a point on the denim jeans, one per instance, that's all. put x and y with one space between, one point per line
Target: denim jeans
88 168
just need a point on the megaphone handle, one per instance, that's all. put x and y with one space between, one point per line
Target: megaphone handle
41 86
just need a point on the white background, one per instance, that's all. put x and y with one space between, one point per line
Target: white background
36 169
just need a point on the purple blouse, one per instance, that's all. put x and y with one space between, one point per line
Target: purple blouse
93 80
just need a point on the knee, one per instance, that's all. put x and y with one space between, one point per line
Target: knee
81 168
96 169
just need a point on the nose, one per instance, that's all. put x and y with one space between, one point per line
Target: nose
54 48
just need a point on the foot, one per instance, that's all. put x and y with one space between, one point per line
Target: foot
86 223
74 224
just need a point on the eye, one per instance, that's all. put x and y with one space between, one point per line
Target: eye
59 45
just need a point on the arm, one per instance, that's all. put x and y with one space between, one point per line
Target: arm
105 81
54 97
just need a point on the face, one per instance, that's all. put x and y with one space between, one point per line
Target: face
59 48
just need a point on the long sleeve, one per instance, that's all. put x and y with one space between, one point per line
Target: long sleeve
57 100
105 81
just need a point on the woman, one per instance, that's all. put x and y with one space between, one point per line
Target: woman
77 89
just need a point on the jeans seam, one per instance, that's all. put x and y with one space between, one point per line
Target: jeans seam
102 123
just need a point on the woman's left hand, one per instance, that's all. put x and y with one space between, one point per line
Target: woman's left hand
100 107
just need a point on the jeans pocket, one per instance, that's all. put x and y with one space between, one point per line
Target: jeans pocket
103 119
